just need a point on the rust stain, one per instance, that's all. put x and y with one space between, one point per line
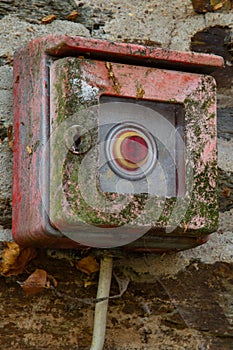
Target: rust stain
140 91
16 79
149 71
111 75
29 150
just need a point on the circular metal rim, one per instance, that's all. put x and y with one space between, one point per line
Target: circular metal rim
69 135
144 169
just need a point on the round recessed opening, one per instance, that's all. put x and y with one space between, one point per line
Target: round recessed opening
77 139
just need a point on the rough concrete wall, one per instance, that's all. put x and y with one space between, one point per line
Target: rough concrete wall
177 301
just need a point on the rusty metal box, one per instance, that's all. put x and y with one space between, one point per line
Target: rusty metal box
114 145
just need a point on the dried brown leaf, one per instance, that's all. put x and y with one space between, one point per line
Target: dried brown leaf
10 132
221 4
185 227
11 145
35 283
10 136
73 15
48 19
15 258
88 265
88 283
226 192
53 280
218 6
9 58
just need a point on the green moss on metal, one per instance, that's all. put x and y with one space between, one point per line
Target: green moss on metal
203 203
86 213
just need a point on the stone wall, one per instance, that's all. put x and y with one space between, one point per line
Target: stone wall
173 301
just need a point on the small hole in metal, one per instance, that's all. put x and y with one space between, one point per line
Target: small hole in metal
77 142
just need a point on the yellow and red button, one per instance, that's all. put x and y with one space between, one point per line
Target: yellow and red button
131 150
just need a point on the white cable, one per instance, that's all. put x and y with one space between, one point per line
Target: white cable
101 307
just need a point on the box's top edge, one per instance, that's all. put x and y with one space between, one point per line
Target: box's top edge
63 45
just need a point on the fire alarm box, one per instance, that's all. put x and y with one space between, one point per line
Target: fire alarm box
114 145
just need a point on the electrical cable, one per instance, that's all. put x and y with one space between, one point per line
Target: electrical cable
101 307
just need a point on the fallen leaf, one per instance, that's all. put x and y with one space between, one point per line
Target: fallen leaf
10 132
218 6
226 192
10 255
35 283
30 29
53 280
10 136
9 58
11 145
48 19
223 5
88 265
185 227
15 258
73 15
88 283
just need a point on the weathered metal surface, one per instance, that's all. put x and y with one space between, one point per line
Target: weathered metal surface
31 186
110 51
